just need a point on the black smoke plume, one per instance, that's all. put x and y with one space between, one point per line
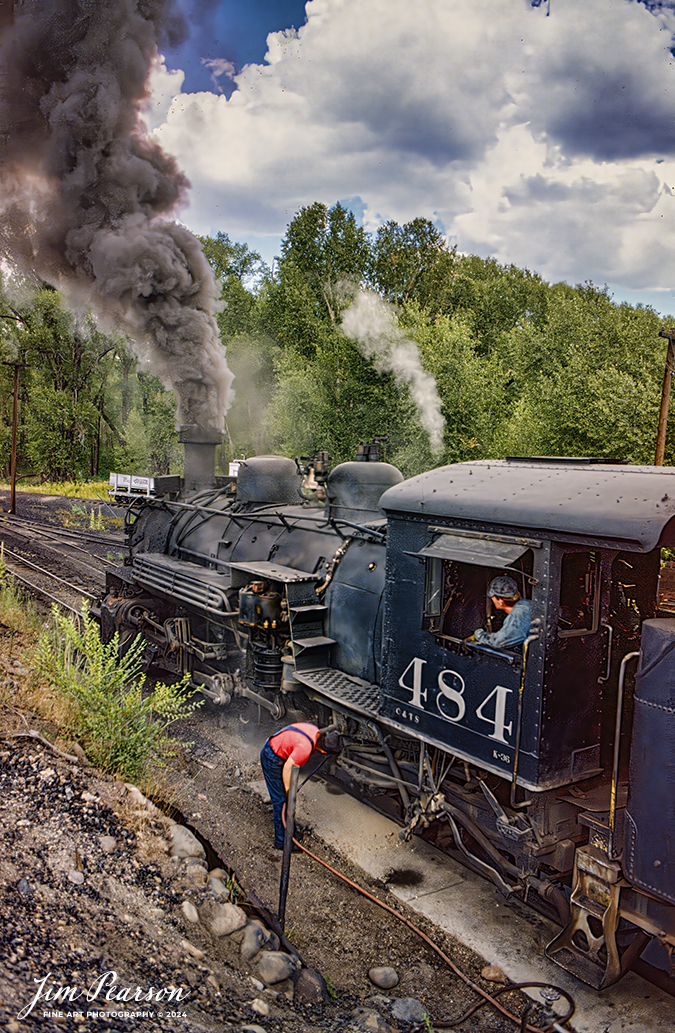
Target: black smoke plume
87 200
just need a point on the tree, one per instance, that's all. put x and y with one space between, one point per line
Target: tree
65 407
330 251
239 270
412 263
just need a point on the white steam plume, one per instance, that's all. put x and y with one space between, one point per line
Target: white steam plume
87 200
371 322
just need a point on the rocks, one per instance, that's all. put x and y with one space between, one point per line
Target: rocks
310 988
190 949
260 1007
493 973
407 1009
367 1018
218 888
255 938
108 844
225 919
190 912
77 878
383 976
182 843
275 966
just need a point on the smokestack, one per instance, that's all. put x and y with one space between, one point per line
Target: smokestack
88 200
200 456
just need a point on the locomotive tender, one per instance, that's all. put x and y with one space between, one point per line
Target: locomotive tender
549 768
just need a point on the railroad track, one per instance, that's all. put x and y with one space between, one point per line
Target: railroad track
62 565
37 579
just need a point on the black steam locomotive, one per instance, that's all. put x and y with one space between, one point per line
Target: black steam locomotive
549 768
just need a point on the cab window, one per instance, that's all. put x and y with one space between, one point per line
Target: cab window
579 596
456 601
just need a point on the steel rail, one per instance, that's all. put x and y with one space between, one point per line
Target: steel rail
48 573
73 532
40 536
43 591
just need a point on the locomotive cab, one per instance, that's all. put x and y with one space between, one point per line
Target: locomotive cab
552 716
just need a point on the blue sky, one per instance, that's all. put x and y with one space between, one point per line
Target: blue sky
546 141
229 30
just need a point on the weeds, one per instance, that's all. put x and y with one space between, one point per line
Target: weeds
234 889
121 730
96 520
17 609
330 988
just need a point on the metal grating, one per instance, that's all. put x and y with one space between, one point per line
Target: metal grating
341 688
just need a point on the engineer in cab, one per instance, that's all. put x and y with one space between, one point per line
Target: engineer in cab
504 594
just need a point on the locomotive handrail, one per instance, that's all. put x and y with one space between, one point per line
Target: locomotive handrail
617 746
318 528
519 725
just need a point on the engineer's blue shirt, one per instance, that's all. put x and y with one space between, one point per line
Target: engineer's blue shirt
513 631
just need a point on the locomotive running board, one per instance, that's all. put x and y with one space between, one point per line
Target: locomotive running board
342 688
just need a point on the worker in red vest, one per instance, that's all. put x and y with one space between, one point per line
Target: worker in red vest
286 749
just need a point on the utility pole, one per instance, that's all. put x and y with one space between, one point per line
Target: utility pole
16 366
6 13
665 396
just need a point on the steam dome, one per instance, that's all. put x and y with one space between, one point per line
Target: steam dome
353 490
268 479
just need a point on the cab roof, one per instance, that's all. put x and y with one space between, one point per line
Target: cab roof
632 505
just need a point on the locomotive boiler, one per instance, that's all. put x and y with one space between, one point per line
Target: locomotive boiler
548 768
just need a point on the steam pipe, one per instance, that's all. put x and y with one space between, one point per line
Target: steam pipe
405 799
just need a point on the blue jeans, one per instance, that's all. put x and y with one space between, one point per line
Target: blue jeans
271 768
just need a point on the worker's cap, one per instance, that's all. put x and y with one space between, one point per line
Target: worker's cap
502 587
329 742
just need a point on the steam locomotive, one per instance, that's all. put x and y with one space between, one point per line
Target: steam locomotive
548 768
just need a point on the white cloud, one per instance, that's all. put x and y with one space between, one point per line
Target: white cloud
164 85
549 142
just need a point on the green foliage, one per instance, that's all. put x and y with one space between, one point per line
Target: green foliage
412 263
153 446
228 258
66 421
238 268
122 730
330 252
69 489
